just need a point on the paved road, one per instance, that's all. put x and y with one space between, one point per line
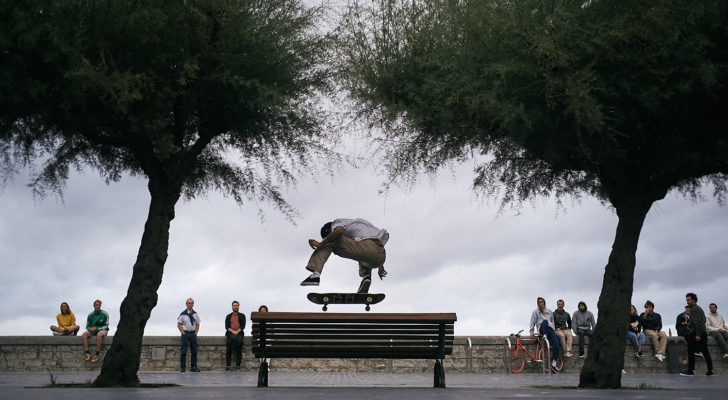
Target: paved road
351 386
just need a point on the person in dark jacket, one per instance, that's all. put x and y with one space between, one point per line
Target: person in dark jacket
696 336
681 323
234 326
634 331
652 328
562 321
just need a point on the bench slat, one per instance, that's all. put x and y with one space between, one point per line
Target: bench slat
350 317
352 352
428 327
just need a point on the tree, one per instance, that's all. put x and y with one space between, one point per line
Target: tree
171 91
624 101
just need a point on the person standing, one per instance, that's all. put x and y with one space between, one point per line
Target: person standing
652 327
696 336
234 326
355 239
188 324
542 319
562 321
66 322
97 324
582 323
717 329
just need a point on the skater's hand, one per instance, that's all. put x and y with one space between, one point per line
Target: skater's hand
382 272
313 243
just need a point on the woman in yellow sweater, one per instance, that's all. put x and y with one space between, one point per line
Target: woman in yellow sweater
66 322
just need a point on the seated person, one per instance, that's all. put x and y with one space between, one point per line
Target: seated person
652 328
97 324
66 322
582 322
634 331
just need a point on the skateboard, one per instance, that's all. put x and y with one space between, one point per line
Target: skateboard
345 298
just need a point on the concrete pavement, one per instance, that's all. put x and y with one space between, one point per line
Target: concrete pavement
318 385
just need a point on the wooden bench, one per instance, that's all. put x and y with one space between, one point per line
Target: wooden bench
353 335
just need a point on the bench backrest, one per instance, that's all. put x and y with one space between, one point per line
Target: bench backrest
357 335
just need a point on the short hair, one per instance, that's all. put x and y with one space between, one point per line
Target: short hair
97 301
692 296
650 304
559 300
326 230
713 304
235 301
262 307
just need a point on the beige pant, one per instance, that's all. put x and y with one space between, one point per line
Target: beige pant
368 253
566 339
658 339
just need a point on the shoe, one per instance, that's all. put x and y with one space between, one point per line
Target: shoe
709 373
88 356
725 355
365 283
700 354
660 357
312 280
227 368
637 354
568 354
624 371
182 369
195 369
687 373
237 368
582 356
95 359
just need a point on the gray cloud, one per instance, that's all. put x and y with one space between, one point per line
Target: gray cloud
448 251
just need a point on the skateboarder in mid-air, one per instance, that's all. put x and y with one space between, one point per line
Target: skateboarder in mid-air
355 239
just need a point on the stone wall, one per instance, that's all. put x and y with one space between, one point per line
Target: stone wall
483 354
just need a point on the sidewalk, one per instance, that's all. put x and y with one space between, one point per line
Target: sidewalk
318 385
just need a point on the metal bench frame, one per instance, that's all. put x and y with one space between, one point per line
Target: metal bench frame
353 335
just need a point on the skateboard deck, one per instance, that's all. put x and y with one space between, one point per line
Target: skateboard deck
345 298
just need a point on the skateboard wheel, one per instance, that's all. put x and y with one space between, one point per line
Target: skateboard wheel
367 307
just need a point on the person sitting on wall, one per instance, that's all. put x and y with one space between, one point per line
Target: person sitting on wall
582 322
97 324
66 322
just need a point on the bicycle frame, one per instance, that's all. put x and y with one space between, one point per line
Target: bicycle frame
515 354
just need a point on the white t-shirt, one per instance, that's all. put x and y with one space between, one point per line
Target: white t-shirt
360 229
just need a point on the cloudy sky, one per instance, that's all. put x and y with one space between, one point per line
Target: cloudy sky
448 252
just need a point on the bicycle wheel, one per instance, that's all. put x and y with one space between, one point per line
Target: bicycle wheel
559 362
516 358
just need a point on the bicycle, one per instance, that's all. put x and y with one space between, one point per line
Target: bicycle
514 355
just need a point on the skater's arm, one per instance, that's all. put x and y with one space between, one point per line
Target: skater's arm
338 231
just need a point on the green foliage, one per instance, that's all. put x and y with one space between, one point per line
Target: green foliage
173 91
562 97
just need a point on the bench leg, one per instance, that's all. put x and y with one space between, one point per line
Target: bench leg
439 375
263 374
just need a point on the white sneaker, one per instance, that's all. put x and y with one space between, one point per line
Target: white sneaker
660 357
568 354
700 354
725 355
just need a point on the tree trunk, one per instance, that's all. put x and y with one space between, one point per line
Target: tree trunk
121 362
605 359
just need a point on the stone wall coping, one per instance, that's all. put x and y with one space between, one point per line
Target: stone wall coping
220 340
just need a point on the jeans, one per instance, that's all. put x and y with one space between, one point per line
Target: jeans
581 333
720 338
189 338
636 342
546 330
702 346
233 342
